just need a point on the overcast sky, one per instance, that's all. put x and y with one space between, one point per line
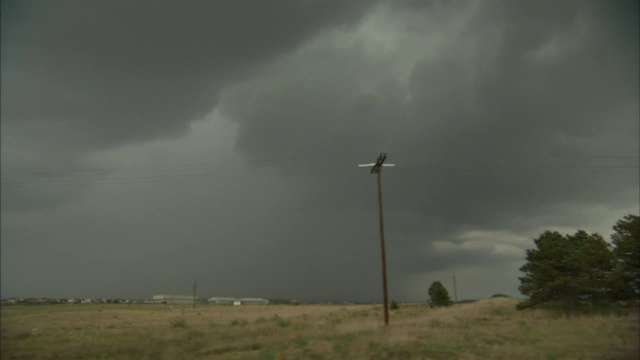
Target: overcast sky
146 144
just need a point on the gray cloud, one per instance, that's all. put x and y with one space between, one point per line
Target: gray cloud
513 102
520 109
85 75
122 70
504 118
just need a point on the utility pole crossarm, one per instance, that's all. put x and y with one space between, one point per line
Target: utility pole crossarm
372 165
375 167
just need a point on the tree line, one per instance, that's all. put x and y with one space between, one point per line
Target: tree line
576 271
583 270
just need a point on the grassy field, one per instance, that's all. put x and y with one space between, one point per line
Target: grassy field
488 329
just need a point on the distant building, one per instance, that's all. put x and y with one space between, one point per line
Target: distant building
237 301
221 301
254 301
173 299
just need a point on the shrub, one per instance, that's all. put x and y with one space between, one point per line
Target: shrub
178 323
282 322
438 295
394 305
499 295
237 322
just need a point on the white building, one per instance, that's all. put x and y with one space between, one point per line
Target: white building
237 301
254 301
174 299
221 301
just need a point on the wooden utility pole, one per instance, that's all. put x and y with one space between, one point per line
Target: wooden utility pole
455 289
376 168
194 293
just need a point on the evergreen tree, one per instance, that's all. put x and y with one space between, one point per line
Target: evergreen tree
570 270
596 261
438 295
626 242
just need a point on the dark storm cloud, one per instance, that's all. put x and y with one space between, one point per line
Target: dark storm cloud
532 104
504 118
84 75
130 70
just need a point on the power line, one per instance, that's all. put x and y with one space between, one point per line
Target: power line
266 162
276 167
159 178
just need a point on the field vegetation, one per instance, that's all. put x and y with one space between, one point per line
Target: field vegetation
488 329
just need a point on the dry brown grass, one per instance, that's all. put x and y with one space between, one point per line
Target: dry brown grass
489 329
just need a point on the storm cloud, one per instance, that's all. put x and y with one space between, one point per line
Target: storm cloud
145 144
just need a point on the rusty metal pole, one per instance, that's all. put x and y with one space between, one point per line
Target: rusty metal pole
383 252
